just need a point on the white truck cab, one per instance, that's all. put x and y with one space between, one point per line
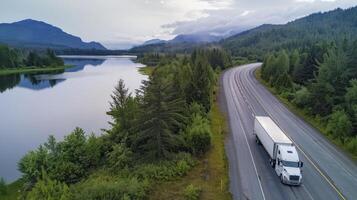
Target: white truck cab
288 166
283 155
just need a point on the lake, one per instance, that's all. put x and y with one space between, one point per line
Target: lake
33 106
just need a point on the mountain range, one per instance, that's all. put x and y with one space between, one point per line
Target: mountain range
337 24
36 34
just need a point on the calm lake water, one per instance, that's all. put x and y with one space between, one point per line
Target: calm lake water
37 105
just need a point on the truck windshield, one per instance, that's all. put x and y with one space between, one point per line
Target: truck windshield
290 163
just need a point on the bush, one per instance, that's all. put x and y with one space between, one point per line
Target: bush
302 97
352 145
120 157
192 192
165 170
3 187
198 135
49 189
107 188
339 125
67 161
287 95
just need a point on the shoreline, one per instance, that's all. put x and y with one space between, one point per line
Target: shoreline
32 69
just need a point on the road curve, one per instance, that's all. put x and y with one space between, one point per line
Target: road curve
327 172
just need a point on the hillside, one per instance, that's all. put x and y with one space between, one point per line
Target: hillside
36 34
335 25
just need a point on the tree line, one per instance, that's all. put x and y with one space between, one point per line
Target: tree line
13 58
333 25
155 135
320 79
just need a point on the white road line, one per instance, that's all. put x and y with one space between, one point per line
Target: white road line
307 191
250 152
305 155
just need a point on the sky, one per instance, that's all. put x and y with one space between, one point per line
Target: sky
120 24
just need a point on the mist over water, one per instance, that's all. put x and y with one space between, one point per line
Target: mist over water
33 106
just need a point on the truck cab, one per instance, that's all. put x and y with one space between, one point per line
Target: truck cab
288 165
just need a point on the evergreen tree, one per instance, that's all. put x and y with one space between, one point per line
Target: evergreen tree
161 113
202 82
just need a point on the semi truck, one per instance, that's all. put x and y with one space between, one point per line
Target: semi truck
284 158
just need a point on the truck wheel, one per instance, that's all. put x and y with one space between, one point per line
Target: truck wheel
271 162
281 179
257 140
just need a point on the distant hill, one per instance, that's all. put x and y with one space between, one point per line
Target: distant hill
153 41
36 34
335 25
195 38
183 43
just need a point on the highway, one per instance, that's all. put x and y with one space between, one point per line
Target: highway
327 173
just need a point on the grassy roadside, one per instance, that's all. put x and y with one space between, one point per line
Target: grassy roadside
304 115
146 70
210 173
12 191
31 69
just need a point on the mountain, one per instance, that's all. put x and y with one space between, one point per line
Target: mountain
336 25
195 38
36 34
153 41
183 43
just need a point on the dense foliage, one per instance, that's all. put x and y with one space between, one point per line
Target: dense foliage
321 80
12 58
153 136
333 25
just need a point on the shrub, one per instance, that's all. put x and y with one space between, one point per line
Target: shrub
302 97
198 135
67 161
165 170
287 95
352 146
32 164
46 188
120 157
107 188
192 192
339 125
3 187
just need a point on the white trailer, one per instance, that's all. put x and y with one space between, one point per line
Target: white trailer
282 152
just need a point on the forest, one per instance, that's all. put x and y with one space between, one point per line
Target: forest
156 135
334 25
321 81
14 58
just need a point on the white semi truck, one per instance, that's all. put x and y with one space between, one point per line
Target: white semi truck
283 155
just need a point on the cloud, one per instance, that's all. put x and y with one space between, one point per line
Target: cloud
115 22
246 14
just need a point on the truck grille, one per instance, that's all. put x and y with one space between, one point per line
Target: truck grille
294 178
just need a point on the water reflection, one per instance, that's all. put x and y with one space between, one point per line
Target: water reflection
33 106
43 80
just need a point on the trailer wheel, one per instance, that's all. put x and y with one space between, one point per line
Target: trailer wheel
257 140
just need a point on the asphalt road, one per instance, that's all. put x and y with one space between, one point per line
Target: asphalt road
327 172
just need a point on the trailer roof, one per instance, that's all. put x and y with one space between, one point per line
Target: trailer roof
273 130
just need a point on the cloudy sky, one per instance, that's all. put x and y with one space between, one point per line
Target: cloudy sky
122 23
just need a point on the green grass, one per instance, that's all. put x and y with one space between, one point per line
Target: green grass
213 166
31 69
13 190
146 70
313 121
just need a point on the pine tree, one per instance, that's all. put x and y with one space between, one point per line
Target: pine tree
202 81
161 113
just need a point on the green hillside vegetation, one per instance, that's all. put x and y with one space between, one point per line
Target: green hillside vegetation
14 60
329 26
158 135
320 81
